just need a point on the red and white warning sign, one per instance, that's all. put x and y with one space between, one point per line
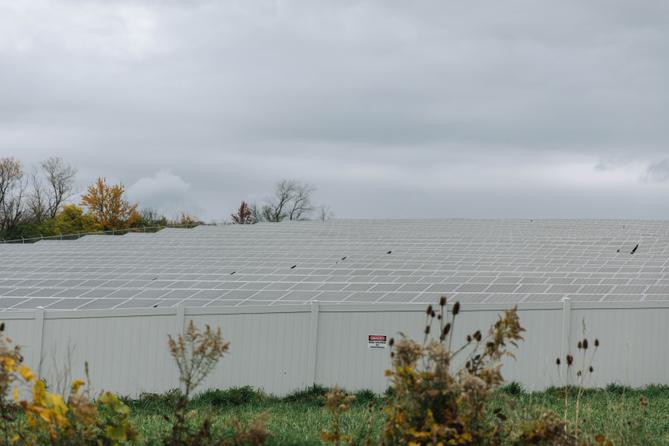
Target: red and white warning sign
377 341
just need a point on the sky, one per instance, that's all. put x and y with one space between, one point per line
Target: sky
391 109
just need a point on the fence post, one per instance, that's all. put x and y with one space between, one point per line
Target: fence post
312 354
181 318
39 341
565 339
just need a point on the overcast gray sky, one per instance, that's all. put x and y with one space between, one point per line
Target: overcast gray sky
398 109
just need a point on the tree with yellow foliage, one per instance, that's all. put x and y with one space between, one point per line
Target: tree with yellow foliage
72 219
108 206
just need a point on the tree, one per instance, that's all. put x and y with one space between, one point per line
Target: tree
108 205
300 206
186 219
151 217
257 213
12 191
36 200
50 187
59 178
291 200
244 216
72 220
325 213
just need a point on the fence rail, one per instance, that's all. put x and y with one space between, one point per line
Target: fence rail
284 348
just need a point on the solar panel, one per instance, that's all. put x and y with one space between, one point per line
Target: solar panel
343 261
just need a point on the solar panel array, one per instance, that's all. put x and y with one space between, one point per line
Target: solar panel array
343 261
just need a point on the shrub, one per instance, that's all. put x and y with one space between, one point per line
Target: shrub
235 396
156 402
311 395
433 403
49 418
366 397
513 388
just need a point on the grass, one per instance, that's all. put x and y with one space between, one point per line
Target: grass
299 418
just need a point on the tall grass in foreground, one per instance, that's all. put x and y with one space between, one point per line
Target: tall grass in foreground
300 418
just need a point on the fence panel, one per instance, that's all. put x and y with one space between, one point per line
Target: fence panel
268 350
282 349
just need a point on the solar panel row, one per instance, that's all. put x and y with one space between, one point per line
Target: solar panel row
344 261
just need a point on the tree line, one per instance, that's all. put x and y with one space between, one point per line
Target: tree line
290 201
39 203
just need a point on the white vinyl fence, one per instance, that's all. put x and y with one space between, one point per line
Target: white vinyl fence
284 348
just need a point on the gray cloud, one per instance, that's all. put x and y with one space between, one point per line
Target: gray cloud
165 192
437 108
658 171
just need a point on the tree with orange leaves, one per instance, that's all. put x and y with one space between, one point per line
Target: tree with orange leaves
108 205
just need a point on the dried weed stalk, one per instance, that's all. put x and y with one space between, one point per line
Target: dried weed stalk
337 402
576 374
196 353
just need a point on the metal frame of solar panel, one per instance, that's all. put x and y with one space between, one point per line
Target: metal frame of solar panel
343 261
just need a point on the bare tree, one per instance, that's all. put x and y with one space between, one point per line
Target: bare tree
257 213
275 209
59 178
12 190
300 206
325 213
291 200
37 199
151 217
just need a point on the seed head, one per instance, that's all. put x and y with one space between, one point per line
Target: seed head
391 342
596 343
444 332
456 308
2 327
585 344
433 314
477 335
442 301
469 338
579 345
427 329
429 310
557 361
591 369
570 360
